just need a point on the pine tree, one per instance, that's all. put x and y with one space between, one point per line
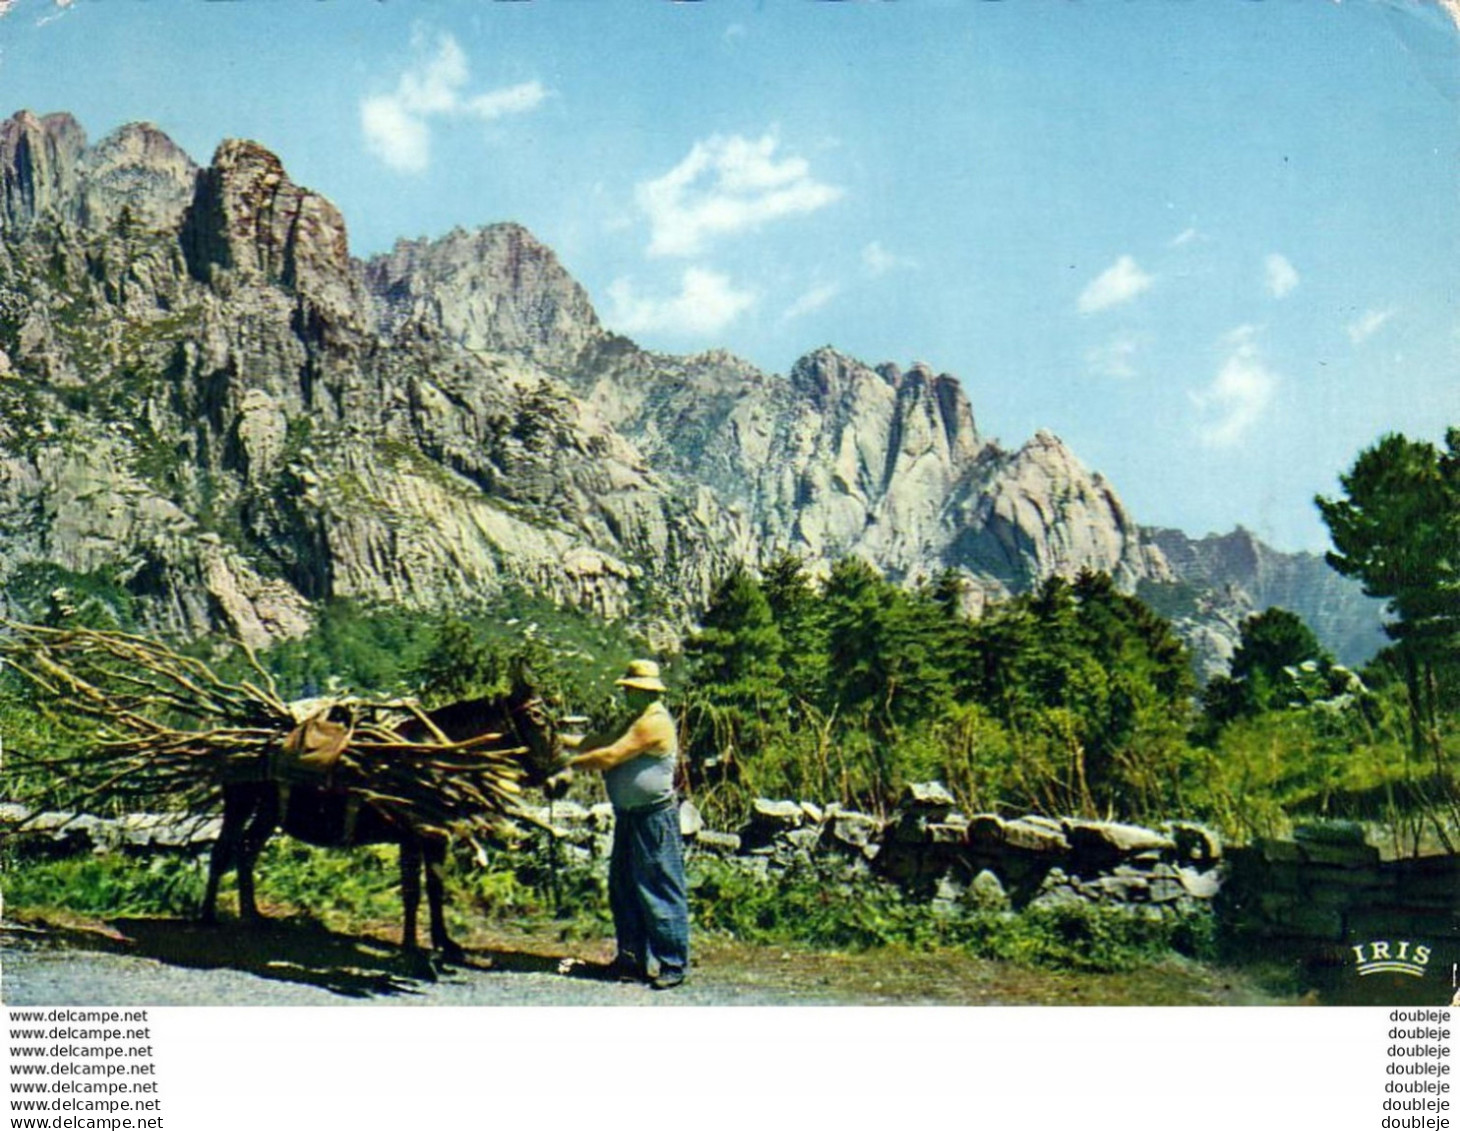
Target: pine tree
800 617
883 646
737 685
1398 531
1269 669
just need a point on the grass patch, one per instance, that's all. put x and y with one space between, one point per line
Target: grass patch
815 911
106 885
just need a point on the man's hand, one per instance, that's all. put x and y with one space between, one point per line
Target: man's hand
557 785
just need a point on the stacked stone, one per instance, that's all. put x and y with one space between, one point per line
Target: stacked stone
53 835
780 837
1037 859
1325 887
1322 886
934 852
926 847
1176 868
1426 901
777 837
1321 892
923 846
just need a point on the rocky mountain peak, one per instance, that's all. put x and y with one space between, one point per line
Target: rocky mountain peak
48 174
1251 576
1047 460
136 171
1044 513
38 167
942 404
495 290
1046 441
233 419
825 376
248 219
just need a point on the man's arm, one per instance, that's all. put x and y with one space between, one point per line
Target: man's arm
649 734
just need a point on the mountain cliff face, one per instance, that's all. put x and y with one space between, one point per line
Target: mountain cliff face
1239 576
201 395
496 290
206 398
833 458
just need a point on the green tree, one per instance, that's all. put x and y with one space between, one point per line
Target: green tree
1093 687
736 682
800 617
461 664
882 644
1397 529
365 651
1272 649
1271 642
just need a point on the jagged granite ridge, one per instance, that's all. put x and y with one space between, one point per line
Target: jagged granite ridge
203 403
202 391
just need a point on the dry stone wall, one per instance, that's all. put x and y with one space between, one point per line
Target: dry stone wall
1329 887
1319 895
936 854
48 835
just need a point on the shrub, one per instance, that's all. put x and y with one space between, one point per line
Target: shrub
814 910
107 885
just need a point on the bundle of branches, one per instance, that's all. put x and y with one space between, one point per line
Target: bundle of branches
164 728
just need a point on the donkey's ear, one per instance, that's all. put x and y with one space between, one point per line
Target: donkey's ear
520 674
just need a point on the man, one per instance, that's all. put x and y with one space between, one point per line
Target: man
646 887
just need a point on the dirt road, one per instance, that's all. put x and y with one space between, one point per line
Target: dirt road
168 962
149 961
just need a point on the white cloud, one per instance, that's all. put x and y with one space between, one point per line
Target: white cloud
877 260
397 126
1280 275
724 186
1115 358
1119 283
434 87
1190 235
706 304
1362 329
396 136
1239 394
814 299
517 99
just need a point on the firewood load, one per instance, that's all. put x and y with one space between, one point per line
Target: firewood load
161 729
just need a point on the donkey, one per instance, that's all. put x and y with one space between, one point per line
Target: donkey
253 810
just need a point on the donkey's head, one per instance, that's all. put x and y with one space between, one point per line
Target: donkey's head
536 731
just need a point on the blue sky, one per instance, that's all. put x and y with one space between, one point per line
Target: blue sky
1214 246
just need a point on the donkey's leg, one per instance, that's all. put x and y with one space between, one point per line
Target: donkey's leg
237 805
255 836
434 852
410 888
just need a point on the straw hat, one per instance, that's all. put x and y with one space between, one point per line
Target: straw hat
643 674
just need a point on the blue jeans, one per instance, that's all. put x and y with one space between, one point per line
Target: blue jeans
646 888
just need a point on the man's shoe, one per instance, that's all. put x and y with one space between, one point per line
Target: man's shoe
667 979
626 968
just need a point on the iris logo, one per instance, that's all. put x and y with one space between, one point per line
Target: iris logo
1384 957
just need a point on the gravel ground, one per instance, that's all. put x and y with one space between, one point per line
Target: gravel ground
141 963
177 962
